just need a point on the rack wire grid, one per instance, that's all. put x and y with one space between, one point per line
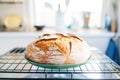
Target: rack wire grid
13 65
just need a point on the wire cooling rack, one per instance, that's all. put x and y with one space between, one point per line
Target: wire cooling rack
13 65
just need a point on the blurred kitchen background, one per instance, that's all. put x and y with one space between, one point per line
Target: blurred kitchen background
96 21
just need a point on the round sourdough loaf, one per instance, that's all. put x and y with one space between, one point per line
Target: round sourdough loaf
58 49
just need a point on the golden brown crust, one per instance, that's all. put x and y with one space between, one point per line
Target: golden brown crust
62 44
61 41
46 34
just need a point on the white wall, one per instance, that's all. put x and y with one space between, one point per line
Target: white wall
24 9
118 29
28 14
6 9
119 16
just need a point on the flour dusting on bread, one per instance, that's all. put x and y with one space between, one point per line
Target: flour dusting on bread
58 49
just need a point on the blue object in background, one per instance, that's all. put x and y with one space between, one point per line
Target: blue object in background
112 51
107 22
69 26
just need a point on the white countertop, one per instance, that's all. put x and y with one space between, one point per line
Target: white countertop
97 38
81 32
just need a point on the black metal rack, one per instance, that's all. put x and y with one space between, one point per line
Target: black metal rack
13 65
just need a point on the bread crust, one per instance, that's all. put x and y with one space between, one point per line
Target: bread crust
56 47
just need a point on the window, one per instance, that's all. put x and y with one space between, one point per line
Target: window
45 11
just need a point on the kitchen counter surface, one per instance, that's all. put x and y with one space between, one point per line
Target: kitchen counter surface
81 32
94 37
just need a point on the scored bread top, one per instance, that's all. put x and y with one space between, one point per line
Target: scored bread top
58 49
60 41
